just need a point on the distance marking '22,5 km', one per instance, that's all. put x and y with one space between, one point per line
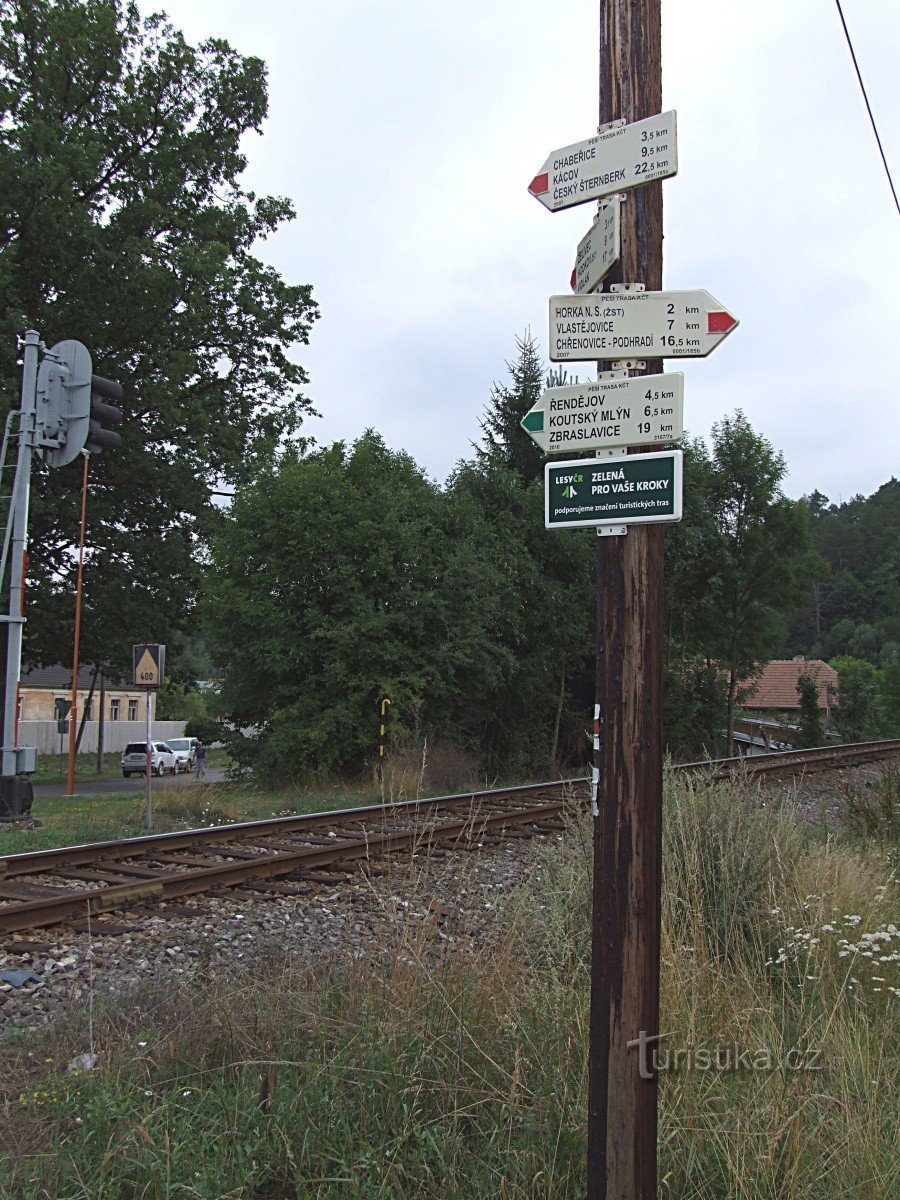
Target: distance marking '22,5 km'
618 325
613 161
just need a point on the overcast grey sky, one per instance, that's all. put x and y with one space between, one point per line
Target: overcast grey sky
406 134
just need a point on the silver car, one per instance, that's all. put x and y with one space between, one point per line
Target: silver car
163 760
185 752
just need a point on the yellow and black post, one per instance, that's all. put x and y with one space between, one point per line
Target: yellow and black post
382 728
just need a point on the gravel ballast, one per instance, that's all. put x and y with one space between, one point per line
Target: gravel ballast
455 894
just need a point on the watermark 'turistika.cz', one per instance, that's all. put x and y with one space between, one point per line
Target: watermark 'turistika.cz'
654 1057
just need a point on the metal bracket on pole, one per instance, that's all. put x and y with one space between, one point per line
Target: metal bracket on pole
618 372
628 364
617 198
610 530
617 124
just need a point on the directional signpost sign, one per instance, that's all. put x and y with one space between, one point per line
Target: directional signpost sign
637 325
609 412
62 708
632 490
610 162
149 661
599 249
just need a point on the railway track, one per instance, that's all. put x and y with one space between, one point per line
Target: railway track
797 762
293 855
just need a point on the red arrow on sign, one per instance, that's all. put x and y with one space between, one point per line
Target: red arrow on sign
719 322
540 184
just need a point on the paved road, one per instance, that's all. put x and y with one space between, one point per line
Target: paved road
134 783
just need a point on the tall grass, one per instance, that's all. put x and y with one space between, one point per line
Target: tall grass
434 1069
755 936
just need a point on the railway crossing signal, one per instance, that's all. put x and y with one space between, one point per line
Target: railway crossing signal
64 412
72 412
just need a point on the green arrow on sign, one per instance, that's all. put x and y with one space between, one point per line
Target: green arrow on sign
534 420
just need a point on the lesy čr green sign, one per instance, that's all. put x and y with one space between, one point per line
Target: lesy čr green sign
630 490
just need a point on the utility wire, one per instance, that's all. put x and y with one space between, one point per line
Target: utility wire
862 86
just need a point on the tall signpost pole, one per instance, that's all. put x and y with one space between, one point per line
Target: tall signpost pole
149 666
629 326
15 618
148 771
627 823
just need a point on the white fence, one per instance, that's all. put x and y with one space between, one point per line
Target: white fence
116 735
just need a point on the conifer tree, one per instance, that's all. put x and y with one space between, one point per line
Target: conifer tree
505 441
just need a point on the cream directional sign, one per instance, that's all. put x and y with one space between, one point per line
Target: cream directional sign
632 490
633 411
149 660
599 249
610 162
637 325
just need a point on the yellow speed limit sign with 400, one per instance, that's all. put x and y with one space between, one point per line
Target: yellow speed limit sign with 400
149 659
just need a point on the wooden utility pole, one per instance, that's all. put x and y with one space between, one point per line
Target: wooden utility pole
627 829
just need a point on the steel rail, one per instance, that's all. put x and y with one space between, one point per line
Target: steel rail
112 860
795 761
29 862
53 909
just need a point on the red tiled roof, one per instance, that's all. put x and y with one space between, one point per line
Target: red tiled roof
777 685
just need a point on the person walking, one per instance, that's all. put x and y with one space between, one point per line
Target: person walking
200 761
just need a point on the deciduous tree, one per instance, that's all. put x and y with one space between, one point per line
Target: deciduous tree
341 577
763 561
742 561
124 223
